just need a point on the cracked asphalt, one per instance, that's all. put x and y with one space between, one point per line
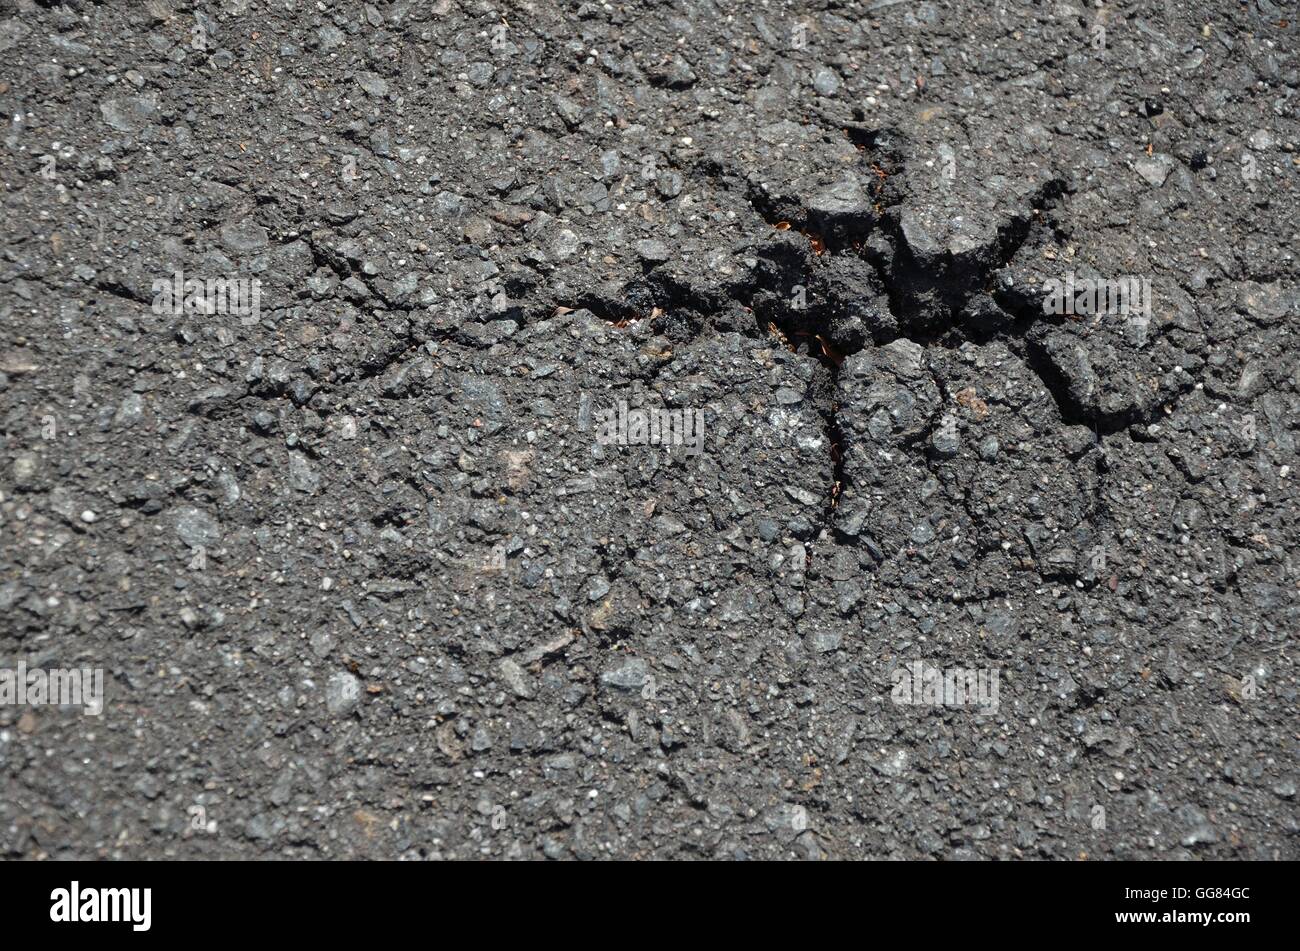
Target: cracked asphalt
988 310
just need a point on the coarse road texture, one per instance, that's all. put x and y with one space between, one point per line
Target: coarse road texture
363 579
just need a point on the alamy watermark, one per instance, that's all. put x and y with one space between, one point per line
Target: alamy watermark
177 295
622 426
920 684
1126 295
76 904
71 687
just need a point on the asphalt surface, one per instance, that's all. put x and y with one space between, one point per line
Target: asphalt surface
371 569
